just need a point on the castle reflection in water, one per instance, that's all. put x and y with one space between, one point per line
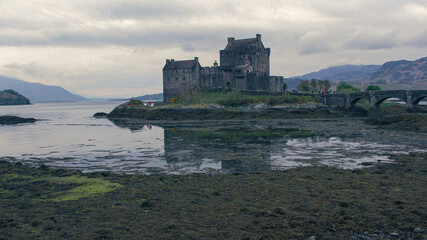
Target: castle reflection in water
255 146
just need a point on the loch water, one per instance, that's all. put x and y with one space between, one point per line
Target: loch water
67 136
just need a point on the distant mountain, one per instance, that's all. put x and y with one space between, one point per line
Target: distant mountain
153 97
344 73
401 72
37 92
10 97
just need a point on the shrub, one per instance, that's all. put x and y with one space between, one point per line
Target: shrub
373 88
345 87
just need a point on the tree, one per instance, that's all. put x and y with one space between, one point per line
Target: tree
345 87
313 84
285 86
326 85
304 86
373 88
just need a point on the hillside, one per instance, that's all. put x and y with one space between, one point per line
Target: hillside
347 73
10 97
37 92
152 97
401 72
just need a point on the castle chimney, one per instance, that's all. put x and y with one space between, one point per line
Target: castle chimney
230 39
258 38
215 64
172 60
168 61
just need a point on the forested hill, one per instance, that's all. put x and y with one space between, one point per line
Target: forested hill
401 72
11 97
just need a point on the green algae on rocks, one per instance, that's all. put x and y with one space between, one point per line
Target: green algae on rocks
61 188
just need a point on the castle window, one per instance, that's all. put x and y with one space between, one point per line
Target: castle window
177 79
183 78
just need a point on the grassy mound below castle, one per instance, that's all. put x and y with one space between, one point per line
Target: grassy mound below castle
238 99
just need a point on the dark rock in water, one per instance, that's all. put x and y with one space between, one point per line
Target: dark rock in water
100 115
15 120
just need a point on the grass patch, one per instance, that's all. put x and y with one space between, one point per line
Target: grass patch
87 187
58 188
237 99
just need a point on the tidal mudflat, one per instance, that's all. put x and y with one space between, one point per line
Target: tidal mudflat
384 201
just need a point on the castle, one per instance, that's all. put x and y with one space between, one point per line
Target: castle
244 66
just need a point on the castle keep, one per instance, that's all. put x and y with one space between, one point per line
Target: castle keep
244 66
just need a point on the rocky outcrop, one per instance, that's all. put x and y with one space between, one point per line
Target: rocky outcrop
15 120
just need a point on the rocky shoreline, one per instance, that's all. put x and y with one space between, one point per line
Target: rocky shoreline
321 202
215 111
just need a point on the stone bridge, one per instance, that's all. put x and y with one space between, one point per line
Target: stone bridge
375 98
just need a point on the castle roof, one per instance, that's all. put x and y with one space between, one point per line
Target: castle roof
185 64
241 43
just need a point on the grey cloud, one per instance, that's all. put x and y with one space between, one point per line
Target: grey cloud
419 39
188 48
181 29
372 39
29 68
142 10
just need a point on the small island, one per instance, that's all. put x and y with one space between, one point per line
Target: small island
225 105
11 97
15 120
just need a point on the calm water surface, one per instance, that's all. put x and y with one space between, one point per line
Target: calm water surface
69 137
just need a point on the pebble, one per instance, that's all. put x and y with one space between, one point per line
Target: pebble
394 234
312 238
418 230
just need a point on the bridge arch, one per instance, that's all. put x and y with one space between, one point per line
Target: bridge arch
419 99
379 101
355 100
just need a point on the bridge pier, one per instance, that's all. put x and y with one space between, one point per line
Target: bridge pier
414 108
412 101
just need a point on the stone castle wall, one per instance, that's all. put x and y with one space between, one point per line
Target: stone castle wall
244 66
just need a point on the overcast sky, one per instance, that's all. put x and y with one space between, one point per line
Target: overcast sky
105 48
